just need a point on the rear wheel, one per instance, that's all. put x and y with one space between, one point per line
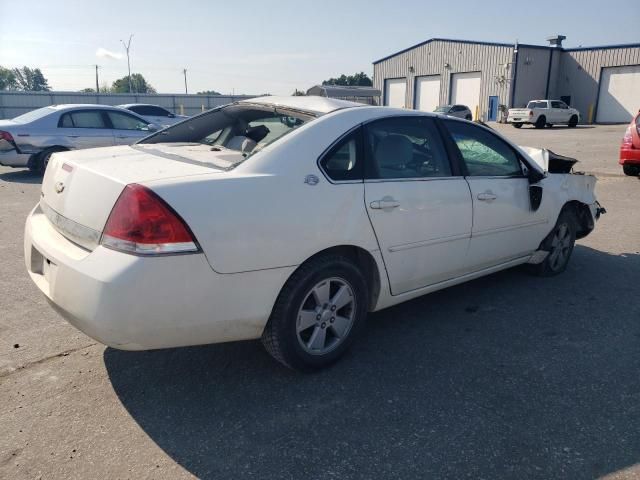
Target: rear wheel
559 243
318 314
42 159
517 125
573 121
631 170
541 122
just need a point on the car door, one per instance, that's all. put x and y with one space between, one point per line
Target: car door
85 128
127 128
418 203
557 115
505 227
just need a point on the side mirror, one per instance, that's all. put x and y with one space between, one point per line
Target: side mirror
171 115
152 127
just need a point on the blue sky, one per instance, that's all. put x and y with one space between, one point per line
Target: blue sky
278 45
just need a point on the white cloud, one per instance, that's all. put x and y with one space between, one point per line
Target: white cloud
104 53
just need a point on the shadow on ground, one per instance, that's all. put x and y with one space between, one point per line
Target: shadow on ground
507 376
21 176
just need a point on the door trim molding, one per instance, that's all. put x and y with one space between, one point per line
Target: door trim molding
426 243
508 228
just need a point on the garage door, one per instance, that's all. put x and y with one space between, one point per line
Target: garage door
395 92
619 97
428 93
465 89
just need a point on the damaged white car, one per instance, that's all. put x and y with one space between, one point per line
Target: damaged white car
289 219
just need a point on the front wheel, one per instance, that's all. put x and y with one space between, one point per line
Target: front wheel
468 117
573 121
631 170
318 314
559 243
517 125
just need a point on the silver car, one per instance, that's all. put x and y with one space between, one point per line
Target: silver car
30 139
460 111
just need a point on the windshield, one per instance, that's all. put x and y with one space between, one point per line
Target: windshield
34 115
443 108
531 105
242 128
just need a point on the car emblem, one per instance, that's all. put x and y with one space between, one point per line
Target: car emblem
311 180
59 187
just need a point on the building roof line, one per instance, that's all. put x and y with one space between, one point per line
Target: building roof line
499 44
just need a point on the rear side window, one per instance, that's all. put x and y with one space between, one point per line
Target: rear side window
344 160
405 147
537 105
150 110
483 153
83 119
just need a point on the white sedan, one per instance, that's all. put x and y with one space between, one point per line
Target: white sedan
289 219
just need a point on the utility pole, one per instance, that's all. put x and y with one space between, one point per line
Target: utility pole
184 71
97 87
126 47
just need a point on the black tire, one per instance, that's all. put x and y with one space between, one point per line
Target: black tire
631 170
468 117
517 125
573 121
280 336
541 122
549 125
556 263
42 159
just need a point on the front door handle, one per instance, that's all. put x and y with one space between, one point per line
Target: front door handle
73 136
487 196
386 202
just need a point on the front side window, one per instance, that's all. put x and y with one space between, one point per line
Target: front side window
343 161
555 104
122 121
483 153
83 119
405 147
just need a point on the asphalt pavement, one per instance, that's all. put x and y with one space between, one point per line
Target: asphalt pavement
508 376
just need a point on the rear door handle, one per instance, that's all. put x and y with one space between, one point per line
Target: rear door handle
488 196
386 202
122 136
73 136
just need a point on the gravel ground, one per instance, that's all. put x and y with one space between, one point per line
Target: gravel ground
508 376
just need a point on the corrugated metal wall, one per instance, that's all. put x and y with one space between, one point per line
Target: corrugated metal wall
531 79
430 59
580 74
13 104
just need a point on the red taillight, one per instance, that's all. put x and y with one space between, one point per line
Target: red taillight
531 113
141 222
627 140
6 136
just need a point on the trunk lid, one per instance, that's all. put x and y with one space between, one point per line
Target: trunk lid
80 188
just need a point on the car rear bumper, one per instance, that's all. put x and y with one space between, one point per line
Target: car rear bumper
137 303
629 156
12 158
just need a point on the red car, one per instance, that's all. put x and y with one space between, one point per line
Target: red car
630 148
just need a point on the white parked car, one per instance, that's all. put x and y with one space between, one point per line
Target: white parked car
289 219
154 114
541 113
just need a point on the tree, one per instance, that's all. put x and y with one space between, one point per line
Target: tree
88 90
299 93
30 80
138 85
209 92
7 79
356 80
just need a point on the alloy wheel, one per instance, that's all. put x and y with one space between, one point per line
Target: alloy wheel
326 316
560 247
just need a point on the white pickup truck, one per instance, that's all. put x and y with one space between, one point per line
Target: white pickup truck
544 112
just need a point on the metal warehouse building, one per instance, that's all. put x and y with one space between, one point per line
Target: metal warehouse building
603 83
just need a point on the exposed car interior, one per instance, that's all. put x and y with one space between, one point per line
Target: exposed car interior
241 128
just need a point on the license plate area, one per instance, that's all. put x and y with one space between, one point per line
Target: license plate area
41 265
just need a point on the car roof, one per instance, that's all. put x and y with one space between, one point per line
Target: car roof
127 105
312 104
70 106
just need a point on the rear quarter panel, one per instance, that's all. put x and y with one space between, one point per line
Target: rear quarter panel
263 215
